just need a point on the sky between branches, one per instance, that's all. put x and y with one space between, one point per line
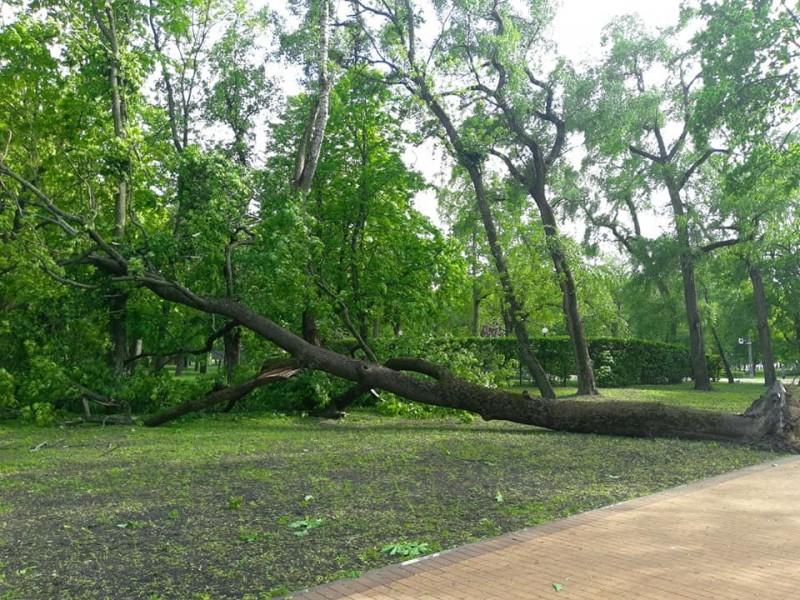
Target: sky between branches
577 29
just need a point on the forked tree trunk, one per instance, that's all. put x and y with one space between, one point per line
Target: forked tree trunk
723 355
514 304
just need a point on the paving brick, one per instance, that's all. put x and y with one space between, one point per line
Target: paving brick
733 537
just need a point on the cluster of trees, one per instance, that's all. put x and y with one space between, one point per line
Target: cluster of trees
159 197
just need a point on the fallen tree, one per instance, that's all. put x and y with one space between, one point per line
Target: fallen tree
771 421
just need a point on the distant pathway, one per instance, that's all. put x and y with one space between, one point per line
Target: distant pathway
732 537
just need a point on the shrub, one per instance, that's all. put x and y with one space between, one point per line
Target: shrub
493 361
7 400
39 413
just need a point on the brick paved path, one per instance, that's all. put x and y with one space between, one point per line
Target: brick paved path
732 537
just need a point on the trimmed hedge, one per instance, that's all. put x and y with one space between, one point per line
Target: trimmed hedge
617 362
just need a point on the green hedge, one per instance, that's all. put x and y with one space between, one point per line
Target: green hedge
617 362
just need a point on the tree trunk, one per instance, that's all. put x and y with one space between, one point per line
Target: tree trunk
476 310
107 24
180 364
580 346
515 308
309 328
231 342
725 362
311 142
762 321
118 331
697 346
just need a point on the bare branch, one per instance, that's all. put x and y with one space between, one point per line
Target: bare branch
698 163
645 154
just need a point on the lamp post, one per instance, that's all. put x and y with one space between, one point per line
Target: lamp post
751 367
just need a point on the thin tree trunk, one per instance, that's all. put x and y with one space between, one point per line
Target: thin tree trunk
180 364
310 329
118 303
107 24
476 310
762 322
697 345
725 362
311 142
232 348
580 345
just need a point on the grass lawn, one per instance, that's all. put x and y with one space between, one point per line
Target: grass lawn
725 397
204 508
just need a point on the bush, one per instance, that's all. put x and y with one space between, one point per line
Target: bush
42 414
7 400
305 392
493 361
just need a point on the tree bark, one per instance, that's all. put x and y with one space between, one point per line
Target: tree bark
311 142
310 329
106 22
180 364
515 309
476 310
772 420
725 362
580 345
231 343
762 322
117 312
697 345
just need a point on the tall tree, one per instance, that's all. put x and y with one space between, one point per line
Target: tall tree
632 113
402 52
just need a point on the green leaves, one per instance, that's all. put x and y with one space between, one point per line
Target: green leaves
303 526
406 549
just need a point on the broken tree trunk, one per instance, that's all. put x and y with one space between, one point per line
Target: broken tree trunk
273 371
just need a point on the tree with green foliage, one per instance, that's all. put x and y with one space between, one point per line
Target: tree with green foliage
330 211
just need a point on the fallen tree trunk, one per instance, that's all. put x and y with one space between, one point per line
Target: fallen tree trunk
771 421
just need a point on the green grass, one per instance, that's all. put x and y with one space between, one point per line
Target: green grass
249 507
725 397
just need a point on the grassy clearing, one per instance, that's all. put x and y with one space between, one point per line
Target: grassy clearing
725 397
249 507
